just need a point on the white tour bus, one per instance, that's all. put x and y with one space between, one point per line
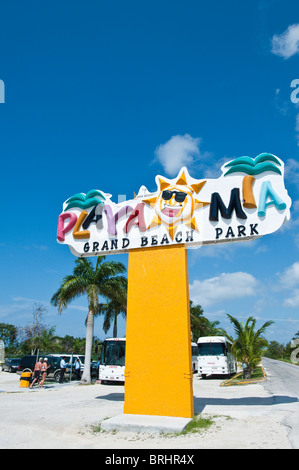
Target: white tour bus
194 352
215 356
112 364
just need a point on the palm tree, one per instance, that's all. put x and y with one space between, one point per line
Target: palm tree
46 340
200 325
93 282
249 344
117 304
198 322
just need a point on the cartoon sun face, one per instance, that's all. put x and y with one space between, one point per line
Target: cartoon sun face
176 203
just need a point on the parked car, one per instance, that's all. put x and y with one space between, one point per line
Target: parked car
10 365
71 358
28 362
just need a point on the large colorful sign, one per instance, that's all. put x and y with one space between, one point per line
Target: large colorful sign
247 201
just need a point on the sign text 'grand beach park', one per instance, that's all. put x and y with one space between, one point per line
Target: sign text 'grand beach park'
247 201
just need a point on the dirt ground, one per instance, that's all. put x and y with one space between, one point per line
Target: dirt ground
67 416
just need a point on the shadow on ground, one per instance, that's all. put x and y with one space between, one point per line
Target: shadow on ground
112 397
201 403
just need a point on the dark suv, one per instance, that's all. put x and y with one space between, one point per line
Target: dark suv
28 362
11 365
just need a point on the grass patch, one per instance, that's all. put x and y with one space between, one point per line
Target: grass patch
96 428
257 375
197 424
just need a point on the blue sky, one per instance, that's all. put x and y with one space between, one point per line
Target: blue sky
93 89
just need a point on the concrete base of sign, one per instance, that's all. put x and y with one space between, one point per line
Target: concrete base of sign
145 423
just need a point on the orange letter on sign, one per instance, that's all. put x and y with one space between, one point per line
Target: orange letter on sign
248 197
85 233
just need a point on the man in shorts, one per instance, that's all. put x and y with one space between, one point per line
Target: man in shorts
37 371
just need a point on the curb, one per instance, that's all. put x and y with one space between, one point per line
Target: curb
249 381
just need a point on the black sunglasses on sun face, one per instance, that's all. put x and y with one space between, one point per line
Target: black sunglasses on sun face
179 196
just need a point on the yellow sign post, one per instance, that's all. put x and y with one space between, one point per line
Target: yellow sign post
158 371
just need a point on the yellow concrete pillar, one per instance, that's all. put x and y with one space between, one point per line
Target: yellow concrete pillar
158 369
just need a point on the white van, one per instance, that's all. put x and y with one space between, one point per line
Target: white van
71 358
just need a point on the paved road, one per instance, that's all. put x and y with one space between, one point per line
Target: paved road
283 384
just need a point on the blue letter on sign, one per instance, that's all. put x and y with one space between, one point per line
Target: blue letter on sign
266 192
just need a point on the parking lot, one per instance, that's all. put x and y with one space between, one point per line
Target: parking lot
66 416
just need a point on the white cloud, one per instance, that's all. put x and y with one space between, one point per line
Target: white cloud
286 44
21 308
227 286
290 276
289 280
178 151
291 169
293 300
281 104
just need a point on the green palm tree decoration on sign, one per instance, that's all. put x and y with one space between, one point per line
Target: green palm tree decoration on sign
92 198
92 282
254 166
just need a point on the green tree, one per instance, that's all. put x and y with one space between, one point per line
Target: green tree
200 325
31 332
249 345
47 340
116 306
92 282
69 344
198 322
275 350
8 334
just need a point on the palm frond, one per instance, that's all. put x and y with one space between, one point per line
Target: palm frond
72 288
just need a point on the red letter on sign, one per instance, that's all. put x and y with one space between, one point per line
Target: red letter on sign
62 230
140 222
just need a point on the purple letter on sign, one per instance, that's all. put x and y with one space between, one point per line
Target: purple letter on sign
113 218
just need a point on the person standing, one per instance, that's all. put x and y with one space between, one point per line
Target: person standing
44 369
78 369
63 365
37 371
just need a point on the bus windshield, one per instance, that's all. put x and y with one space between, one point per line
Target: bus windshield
113 353
211 349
